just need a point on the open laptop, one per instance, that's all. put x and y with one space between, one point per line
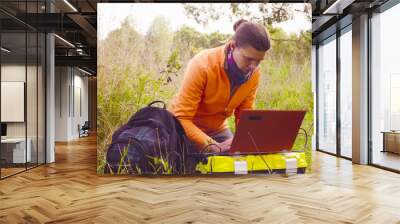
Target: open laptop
266 131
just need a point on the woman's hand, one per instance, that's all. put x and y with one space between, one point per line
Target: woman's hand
220 147
225 145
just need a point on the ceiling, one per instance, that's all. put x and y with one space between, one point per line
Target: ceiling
330 15
75 21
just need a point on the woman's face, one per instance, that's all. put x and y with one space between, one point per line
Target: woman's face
247 58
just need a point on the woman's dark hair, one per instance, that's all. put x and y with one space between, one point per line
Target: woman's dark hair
253 34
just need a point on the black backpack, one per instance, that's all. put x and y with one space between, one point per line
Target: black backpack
152 142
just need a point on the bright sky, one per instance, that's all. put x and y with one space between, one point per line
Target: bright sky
111 15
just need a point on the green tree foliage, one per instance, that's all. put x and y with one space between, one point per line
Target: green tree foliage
266 14
158 42
188 41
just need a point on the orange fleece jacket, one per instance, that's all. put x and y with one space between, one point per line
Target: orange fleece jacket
203 102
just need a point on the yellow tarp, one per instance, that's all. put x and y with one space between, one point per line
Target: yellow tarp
226 164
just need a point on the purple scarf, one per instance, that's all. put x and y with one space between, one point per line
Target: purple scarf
237 77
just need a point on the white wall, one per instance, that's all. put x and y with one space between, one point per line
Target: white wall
16 73
33 127
70 83
80 100
61 103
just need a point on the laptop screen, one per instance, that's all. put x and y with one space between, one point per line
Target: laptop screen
266 131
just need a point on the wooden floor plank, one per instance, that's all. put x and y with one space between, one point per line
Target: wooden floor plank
70 191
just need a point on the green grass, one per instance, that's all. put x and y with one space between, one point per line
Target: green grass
129 78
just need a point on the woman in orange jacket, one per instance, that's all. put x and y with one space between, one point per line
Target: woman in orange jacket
219 82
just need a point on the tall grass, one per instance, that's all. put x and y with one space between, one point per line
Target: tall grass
120 94
133 71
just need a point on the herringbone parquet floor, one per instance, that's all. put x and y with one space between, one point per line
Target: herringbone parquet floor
70 191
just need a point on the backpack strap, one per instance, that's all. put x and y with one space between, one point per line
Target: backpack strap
158 101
